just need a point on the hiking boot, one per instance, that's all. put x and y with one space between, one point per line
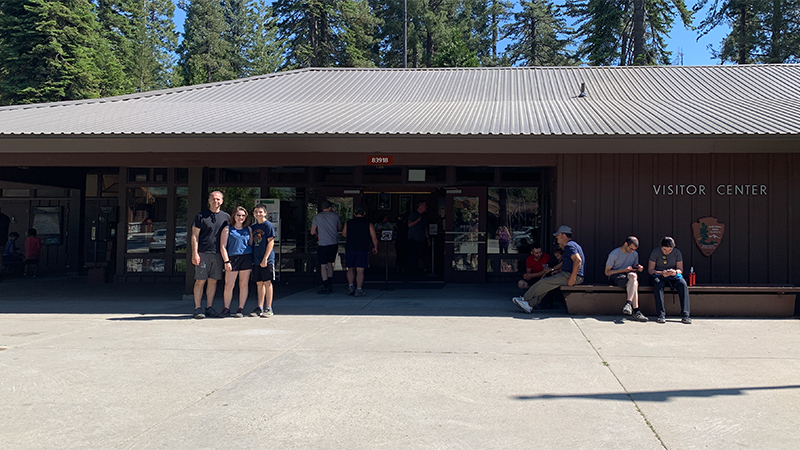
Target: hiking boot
639 317
522 304
256 312
211 312
661 319
351 290
225 313
267 312
627 309
359 293
686 319
239 313
198 313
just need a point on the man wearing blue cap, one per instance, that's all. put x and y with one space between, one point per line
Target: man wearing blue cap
572 272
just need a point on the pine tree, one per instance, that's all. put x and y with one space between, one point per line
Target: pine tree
204 52
309 29
626 32
160 41
266 53
52 51
539 36
761 31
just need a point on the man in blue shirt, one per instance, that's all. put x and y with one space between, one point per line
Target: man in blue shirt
572 272
263 260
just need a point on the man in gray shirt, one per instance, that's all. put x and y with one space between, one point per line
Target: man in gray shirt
665 266
622 269
326 226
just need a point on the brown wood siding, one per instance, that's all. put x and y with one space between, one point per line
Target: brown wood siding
608 197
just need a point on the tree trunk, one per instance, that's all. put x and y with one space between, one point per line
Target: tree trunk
639 52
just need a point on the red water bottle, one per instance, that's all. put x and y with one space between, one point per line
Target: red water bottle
692 277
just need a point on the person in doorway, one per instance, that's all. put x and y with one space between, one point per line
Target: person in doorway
326 226
206 230
236 249
401 243
358 232
572 272
418 238
666 267
33 251
503 239
622 268
263 261
10 252
384 224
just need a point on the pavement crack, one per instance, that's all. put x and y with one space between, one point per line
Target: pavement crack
621 385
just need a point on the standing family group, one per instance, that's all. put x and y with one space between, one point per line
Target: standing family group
665 267
236 249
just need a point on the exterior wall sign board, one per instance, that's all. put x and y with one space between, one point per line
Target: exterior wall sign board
708 233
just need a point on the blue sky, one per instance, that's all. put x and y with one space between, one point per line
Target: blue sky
695 52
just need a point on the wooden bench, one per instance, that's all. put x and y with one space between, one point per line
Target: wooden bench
705 301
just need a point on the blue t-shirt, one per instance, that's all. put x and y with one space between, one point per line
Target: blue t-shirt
570 249
238 241
261 234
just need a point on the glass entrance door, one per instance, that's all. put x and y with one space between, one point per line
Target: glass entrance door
465 233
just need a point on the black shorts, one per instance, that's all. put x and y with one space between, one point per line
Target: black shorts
618 279
327 253
263 273
241 262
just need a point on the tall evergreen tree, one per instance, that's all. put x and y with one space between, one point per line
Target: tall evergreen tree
239 34
483 22
143 39
539 36
266 53
626 32
53 51
204 52
760 31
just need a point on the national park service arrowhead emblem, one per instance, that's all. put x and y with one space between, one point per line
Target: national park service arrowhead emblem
708 233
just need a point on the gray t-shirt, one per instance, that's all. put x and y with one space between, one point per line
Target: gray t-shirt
664 262
618 259
327 223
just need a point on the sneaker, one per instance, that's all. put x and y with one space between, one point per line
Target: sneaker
267 312
359 293
686 319
639 317
256 312
198 313
239 313
522 304
325 290
211 312
661 319
225 313
627 309
351 290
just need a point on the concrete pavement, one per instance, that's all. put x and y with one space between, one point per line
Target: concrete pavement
125 367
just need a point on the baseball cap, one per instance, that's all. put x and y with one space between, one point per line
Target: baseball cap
359 210
563 229
326 204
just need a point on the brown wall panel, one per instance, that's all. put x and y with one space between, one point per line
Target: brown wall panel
606 197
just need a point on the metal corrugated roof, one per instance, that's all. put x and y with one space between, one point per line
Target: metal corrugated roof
664 100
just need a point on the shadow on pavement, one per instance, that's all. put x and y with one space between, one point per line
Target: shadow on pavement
658 396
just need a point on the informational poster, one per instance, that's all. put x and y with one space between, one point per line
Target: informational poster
273 214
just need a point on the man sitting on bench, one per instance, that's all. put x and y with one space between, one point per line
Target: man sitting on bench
666 266
572 272
622 266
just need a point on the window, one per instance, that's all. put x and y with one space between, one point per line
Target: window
514 221
147 213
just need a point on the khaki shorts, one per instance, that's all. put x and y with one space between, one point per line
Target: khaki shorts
210 267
